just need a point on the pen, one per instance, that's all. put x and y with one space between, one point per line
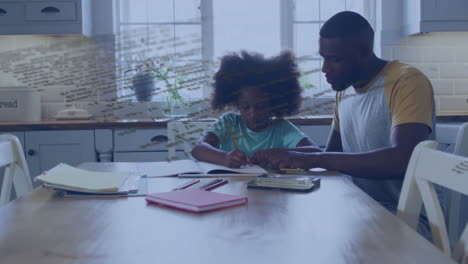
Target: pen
210 183
186 185
216 185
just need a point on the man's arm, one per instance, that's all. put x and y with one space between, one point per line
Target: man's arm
387 162
382 163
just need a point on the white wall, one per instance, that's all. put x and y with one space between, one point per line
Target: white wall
443 57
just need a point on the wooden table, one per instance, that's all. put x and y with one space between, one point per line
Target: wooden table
337 223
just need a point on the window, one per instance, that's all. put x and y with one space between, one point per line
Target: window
170 34
246 25
302 20
198 32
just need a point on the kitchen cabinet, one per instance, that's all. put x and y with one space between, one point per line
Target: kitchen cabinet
45 149
19 17
434 15
139 145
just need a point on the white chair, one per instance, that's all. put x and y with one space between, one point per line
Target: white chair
187 134
430 166
455 142
12 158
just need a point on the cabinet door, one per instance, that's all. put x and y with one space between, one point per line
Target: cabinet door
51 11
45 149
444 10
148 156
11 13
49 16
151 139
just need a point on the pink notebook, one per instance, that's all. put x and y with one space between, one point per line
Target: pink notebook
195 200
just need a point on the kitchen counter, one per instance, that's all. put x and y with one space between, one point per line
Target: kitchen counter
97 123
151 123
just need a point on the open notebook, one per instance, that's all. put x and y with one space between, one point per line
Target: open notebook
177 167
66 177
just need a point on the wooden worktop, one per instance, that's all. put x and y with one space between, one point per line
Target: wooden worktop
100 123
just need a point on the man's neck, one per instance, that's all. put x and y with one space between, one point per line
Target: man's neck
369 71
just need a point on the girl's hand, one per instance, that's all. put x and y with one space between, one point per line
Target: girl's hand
235 159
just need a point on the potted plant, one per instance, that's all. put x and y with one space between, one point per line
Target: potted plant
156 69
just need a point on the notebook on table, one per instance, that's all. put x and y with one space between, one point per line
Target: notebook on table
196 200
176 167
132 187
68 178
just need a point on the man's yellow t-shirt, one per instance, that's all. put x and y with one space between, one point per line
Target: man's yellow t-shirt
364 118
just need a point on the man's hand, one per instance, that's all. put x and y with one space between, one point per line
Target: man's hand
281 158
235 159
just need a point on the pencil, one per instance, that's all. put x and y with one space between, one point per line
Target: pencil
232 137
235 142
216 185
186 185
212 182
289 169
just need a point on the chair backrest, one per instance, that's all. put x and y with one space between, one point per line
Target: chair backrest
16 169
187 134
457 143
430 166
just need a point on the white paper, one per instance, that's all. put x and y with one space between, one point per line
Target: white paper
68 176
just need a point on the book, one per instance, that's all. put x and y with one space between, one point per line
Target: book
66 177
282 182
176 167
125 191
196 200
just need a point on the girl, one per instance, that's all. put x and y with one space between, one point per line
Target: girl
264 91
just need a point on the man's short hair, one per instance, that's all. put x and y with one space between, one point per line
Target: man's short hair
350 26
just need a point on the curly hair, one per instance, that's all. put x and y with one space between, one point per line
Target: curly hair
277 77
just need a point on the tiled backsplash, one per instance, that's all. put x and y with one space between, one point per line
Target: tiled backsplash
443 57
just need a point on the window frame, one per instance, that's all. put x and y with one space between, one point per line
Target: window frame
207 41
287 22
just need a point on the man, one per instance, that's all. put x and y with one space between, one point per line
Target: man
382 111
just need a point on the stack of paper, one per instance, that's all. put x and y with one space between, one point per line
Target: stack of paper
66 177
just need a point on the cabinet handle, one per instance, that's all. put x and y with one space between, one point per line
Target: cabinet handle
50 10
2 12
160 138
31 152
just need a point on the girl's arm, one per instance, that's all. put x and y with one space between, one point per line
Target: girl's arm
208 150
